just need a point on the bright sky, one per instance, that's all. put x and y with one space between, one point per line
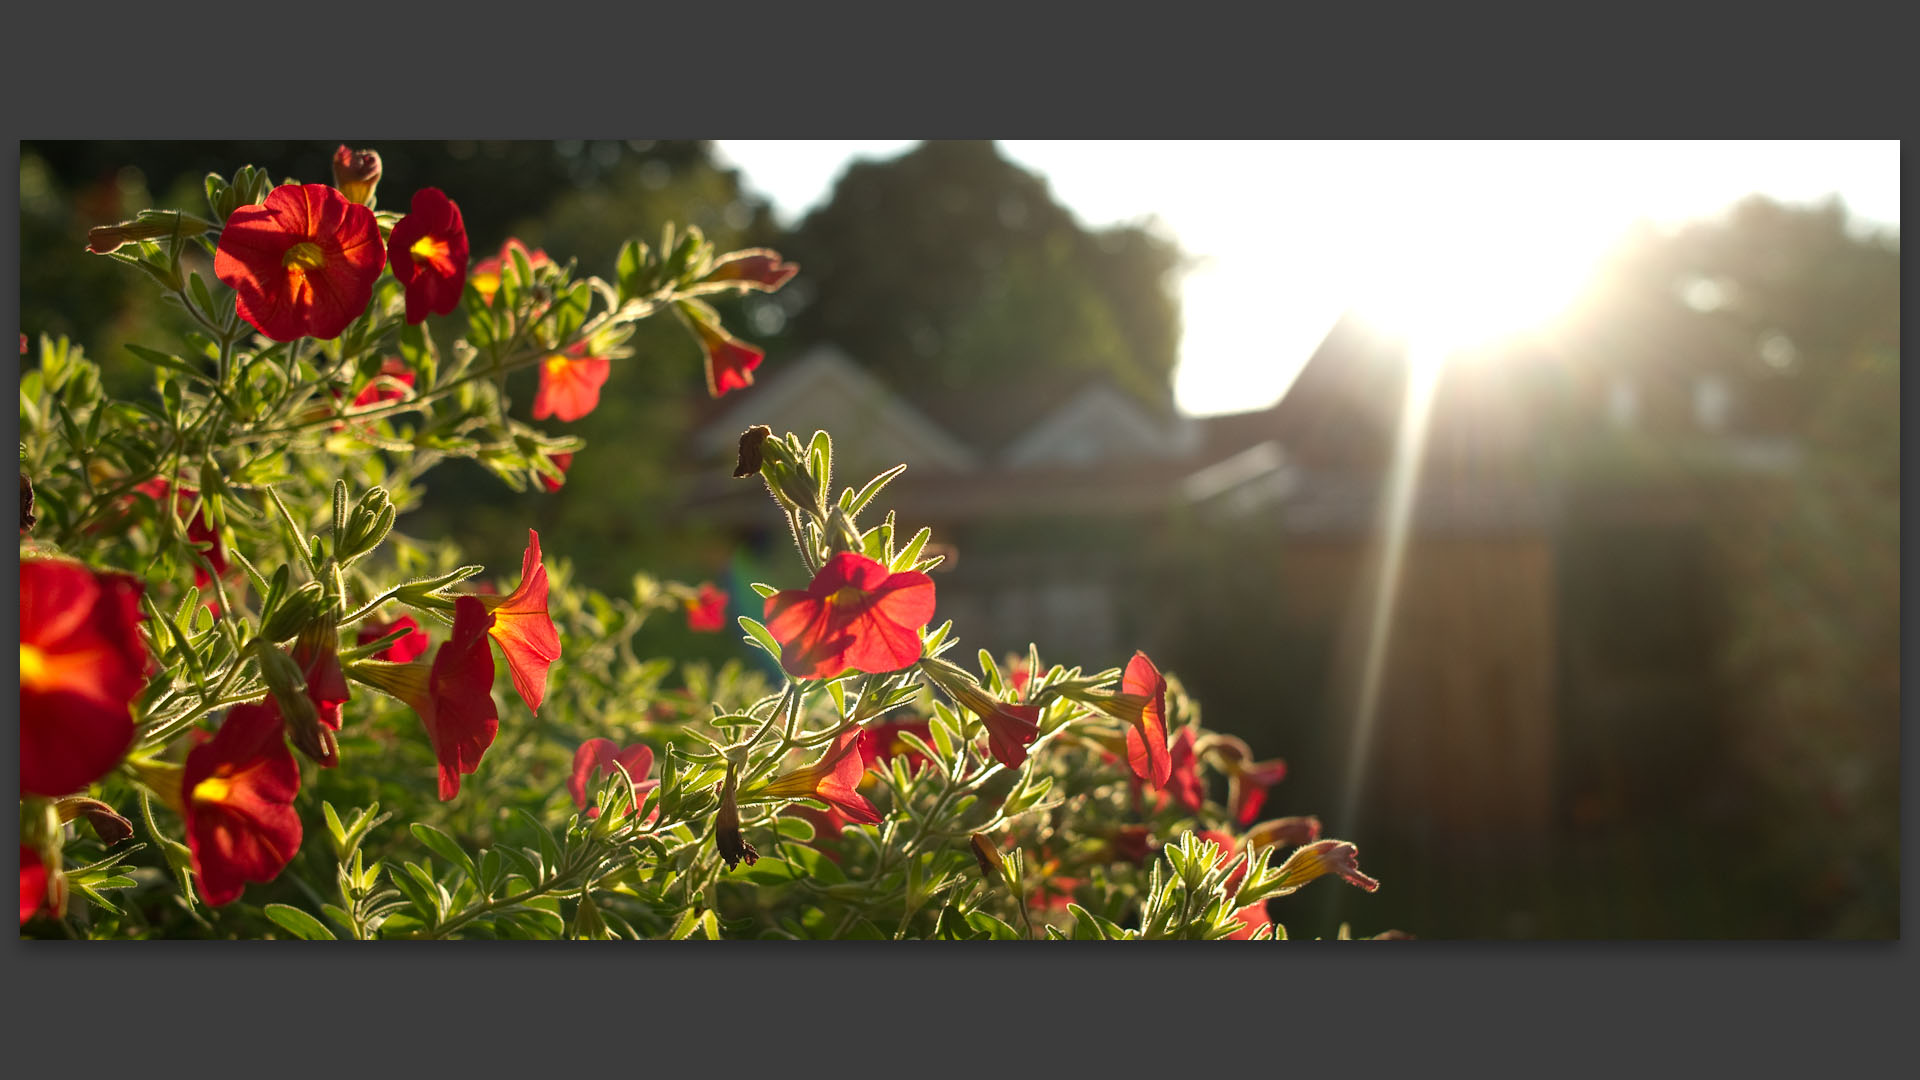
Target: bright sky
1294 233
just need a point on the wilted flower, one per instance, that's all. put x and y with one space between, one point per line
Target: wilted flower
303 263
855 615
753 268
1320 858
108 825
355 173
82 662
428 252
570 384
408 647
453 696
726 823
834 780
596 758
707 609
238 791
1283 832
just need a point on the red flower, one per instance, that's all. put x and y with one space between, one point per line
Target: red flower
524 629
570 384
834 780
317 652
1130 843
753 268
392 384
453 697
1184 779
237 798
853 615
1250 783
596 758
879 743
1147 731
1010 728
707 611
1018 676
428 253
303 262
355 173
564 461
82 663
33 884
486 272
411 645
730 361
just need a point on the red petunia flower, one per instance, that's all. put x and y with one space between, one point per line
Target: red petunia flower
1018 676
1147 725
707 611
453 696
303 263
33 884
834 780
881 742
486 273
564 461
524 629
730 361
410 646
570 384
237 797
1251 918
428 253
317 652
1183 778
392 384
753 268
596 758
1250 784
1010 728
855 615
82 662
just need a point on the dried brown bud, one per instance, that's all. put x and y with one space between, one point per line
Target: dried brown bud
726 824
109 826
750 442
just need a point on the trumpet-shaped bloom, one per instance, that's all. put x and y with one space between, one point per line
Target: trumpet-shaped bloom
1283 832
595 759
428 252
82 662
834 780
1147 751
317 652
1320 858
853 615
453 696
524 629
486 273
1250 784
410 646
302 263
1010 728
237 796
570 384
730 361
707 611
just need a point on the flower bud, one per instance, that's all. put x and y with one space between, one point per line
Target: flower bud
110 827
355 174
293 614
752 268
148 225
1320 858
726 824
289 689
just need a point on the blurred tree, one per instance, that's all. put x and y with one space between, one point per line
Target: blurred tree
950 268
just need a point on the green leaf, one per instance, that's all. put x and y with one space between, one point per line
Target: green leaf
987 924
444 846
298 923
761 636
873 488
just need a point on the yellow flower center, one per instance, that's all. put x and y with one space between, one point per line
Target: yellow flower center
432 252
556 366
35 671
213 789
304 255
847 596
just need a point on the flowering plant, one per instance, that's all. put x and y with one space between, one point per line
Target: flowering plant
227 637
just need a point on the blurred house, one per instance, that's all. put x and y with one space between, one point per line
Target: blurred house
1082 518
